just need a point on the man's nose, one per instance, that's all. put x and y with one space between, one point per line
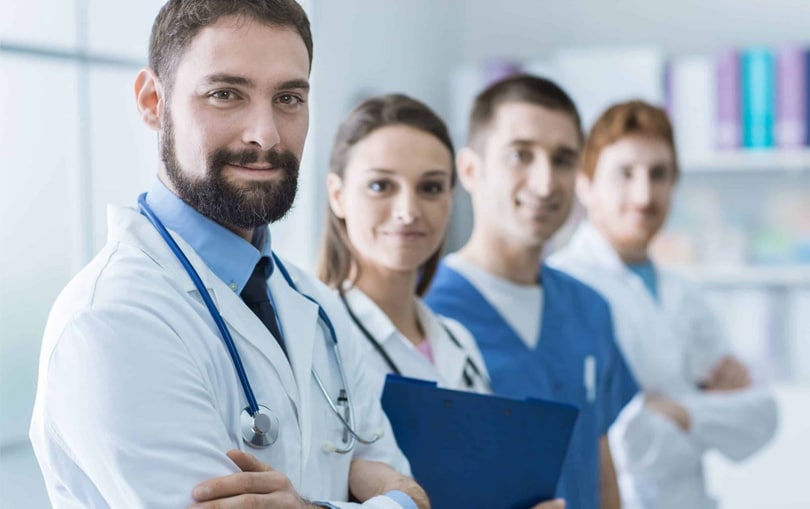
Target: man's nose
541 176
641 189
262 131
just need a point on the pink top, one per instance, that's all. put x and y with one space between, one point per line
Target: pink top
424 349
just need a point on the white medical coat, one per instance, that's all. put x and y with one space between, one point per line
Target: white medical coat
450 359
671 346
138 400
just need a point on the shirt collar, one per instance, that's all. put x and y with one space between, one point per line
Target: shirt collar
227 254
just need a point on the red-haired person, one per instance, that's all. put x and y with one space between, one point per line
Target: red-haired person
696 395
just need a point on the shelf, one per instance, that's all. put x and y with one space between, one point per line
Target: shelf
742 275
760 160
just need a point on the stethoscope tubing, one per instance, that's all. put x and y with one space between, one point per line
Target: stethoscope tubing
253 406
392 365
209 303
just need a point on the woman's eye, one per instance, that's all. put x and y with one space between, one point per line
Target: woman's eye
379 186
432 188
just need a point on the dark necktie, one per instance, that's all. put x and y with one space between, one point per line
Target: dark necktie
255 296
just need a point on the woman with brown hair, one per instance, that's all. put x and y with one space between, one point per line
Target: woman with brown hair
390 195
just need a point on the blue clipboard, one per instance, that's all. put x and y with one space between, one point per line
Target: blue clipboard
478 451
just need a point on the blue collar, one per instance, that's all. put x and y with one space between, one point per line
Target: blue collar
646 271
227 254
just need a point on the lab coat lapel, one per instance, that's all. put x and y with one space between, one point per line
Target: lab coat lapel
449 358
242 323
588 243
299 326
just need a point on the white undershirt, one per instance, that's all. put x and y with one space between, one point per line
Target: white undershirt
519 305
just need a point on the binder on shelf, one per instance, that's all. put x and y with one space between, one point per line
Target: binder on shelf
758 72
692 105
791 123
479 451
729 127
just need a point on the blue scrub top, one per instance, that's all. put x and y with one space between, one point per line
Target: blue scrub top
576 331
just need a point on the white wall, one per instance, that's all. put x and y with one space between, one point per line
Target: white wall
526 29
362 48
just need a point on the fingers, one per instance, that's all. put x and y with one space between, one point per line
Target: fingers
282 500
248 462
557 503
241 483
729 374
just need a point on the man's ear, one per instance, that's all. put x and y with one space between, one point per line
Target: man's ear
334 188
149 98
583 189
468 166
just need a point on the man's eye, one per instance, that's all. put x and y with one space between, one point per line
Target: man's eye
563 162
522 156
222 95
290 99
659 173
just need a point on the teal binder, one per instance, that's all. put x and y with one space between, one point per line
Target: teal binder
478 451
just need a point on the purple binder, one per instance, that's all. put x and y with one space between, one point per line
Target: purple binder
791 124
729 125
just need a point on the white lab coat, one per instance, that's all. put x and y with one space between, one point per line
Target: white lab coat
450 360
671 346
138 400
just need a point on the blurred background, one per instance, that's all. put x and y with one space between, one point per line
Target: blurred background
734 75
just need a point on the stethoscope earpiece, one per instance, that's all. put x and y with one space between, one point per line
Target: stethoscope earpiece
259 430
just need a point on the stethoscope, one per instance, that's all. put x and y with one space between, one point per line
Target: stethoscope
260 425
470 369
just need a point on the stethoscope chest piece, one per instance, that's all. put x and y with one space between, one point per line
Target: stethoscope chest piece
261 429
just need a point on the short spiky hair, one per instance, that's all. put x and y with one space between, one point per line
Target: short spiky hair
179 21
521 88
632 118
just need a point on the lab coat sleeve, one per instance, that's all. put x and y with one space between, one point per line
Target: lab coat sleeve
736 423
131 409
644 441
378 502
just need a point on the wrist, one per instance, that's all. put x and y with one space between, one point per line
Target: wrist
401 498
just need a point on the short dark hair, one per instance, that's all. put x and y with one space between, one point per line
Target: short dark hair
632 118
179 21
336 256
520 88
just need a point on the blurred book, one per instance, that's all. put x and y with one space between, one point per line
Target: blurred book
758 72
692 103
791 96
498 69
729 126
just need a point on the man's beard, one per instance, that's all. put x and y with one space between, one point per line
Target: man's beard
245 206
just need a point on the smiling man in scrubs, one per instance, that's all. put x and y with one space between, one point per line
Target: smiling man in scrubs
138 403
542 333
